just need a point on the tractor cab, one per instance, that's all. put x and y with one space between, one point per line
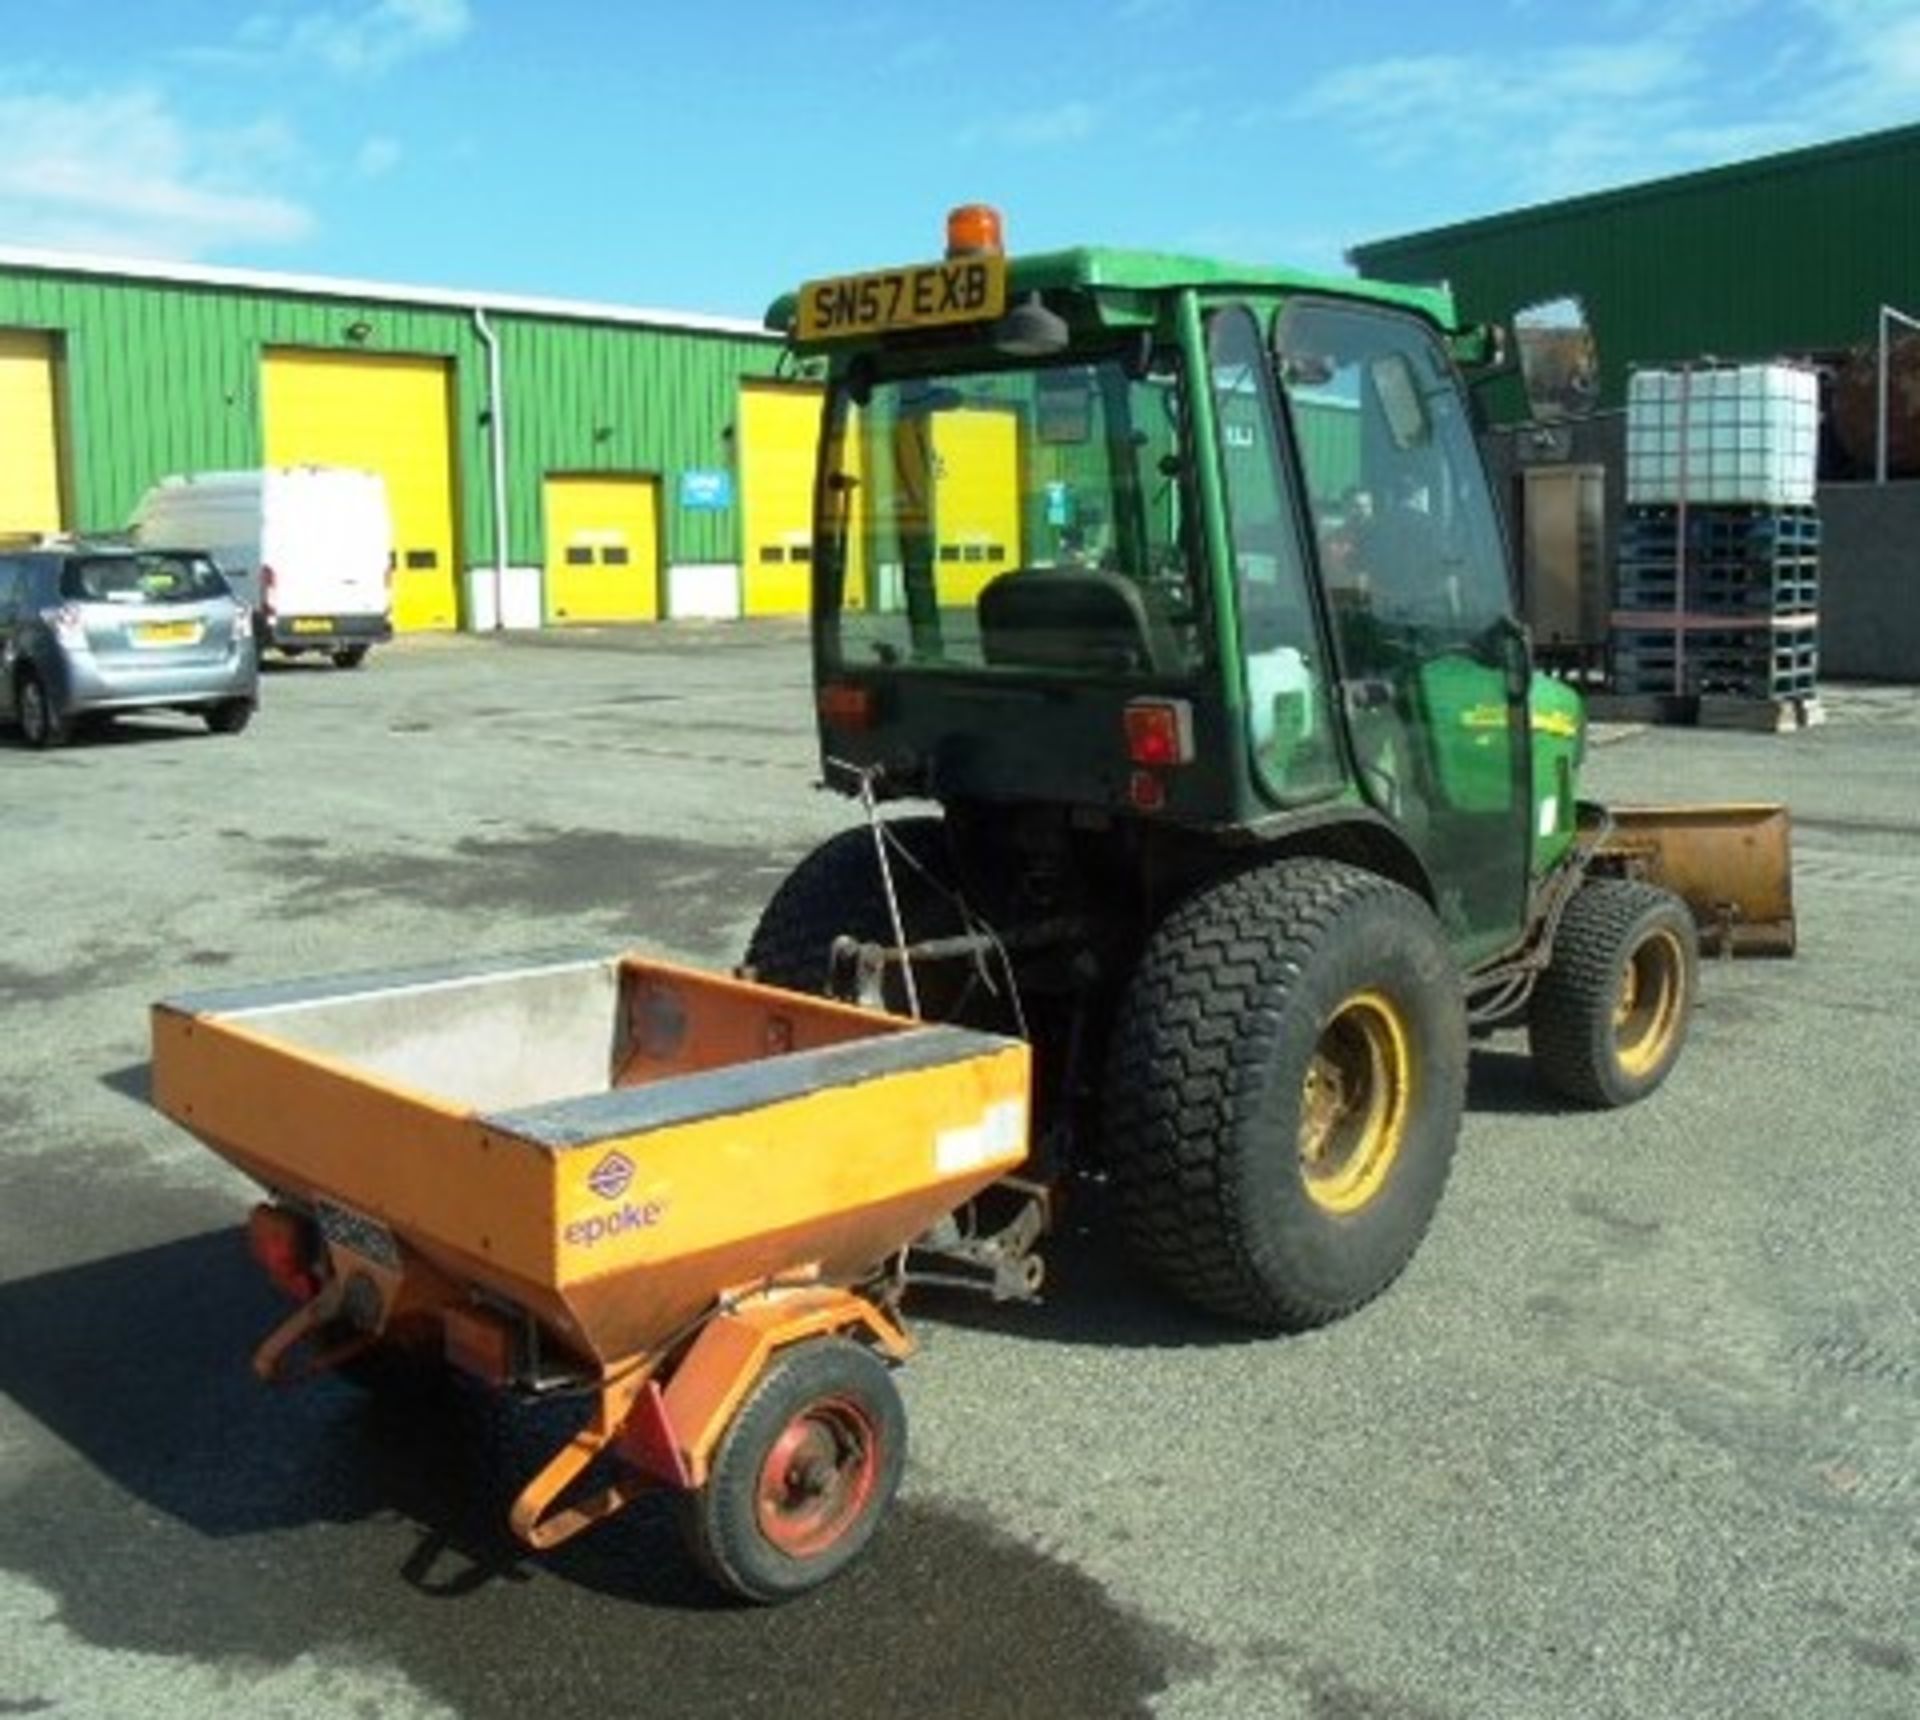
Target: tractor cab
1177 543
1178 588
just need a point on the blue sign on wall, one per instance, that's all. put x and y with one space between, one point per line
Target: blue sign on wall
706 490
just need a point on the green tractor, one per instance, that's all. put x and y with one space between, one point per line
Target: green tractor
1179 589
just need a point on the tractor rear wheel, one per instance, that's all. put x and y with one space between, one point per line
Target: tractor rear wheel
837 890
803 1474
1610 1014
1283 1092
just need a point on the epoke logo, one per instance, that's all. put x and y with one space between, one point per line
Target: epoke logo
610 1177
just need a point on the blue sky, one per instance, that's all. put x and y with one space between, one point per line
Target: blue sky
704 158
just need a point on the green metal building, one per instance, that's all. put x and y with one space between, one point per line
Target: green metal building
1786 254
545 460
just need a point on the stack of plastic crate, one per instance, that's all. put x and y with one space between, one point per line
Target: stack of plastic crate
1717 589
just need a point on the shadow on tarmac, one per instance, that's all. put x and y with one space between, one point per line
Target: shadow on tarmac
196 1513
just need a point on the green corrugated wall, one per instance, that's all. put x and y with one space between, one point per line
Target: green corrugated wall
1329 432
1789 254
164 377
600 397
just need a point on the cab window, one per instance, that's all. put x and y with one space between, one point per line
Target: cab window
1032 519
1407 533
1286 674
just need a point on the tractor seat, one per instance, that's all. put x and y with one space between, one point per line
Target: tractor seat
1074 618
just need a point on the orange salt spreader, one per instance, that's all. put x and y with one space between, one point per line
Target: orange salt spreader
681 1197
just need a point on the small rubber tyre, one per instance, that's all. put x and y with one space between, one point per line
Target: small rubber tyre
349 656
41 723
837 891
228 717
1283 1092
1610 1014
803 1475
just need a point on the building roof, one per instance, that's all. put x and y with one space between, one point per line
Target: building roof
1892 141
376 292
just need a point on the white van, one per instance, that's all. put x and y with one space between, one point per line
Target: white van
309 547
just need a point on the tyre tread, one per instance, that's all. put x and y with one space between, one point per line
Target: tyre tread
1215 975
1570 1015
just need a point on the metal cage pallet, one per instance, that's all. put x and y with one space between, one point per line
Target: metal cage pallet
1788 587
1721 527
1702 654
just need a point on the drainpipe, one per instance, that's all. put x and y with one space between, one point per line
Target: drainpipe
497 447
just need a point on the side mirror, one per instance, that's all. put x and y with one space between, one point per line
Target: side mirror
1559 362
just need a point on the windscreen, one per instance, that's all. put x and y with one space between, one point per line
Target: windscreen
145 578
1022 519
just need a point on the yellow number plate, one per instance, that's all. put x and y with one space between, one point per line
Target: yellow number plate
167 633
313 624
927 295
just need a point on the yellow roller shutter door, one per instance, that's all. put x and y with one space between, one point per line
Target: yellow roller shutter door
603 548
391 415
976 498
778 434
29 434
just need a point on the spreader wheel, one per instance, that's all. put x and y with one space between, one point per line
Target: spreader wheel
802 1477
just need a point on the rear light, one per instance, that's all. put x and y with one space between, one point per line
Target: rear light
845 706
285 1246
68 622
242 623
1146 792
266 592
1159 732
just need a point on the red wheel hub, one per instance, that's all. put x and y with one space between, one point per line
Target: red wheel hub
818 1477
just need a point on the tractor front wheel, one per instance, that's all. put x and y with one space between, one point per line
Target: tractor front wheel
1284 1088
1610 1014
803 1474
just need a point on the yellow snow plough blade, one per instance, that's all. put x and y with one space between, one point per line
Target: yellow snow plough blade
1732 864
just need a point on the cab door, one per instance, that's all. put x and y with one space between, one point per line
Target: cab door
1434 669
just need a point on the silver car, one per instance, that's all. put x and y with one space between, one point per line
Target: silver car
91 630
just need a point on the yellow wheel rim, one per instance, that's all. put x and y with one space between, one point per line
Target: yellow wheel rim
1354 1103
1646 1009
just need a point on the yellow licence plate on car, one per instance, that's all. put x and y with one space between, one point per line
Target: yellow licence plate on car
167 633
926 295
313 624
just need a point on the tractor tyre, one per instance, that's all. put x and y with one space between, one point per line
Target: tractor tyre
803 1474
1283 1092
1609 1015
837 890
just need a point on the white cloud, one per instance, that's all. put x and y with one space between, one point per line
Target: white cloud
355 41
117 171
1659 87
1037 128
1409 104
377 157
1871 56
